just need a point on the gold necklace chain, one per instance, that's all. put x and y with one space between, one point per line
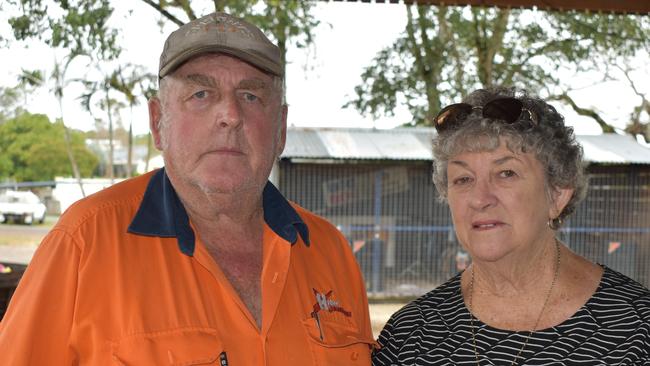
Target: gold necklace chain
539 317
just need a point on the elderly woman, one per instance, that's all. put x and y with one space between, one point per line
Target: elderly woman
511 172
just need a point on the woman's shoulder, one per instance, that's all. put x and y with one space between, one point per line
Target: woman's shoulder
618 292
624 287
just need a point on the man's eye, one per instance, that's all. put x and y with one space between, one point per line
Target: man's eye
200 94
250 97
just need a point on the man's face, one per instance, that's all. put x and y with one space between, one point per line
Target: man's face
223 124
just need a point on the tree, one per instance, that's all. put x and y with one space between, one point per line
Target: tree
10 97
60 83
9 102
446 51
30 80
109 105
32 149
132 82
78 26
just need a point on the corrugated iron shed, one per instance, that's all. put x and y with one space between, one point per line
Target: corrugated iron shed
415 144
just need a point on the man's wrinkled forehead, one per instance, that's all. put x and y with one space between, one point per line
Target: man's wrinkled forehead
209 81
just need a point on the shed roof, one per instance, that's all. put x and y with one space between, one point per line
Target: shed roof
616 6
614 148
415 144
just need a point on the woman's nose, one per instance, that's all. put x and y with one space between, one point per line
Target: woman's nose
482 195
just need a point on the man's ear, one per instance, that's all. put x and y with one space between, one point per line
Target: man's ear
155 116
282 131
561 197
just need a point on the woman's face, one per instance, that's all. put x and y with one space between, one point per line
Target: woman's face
499 203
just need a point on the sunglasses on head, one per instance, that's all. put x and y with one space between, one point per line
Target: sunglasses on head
504 109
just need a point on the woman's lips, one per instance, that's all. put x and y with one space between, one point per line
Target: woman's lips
486 225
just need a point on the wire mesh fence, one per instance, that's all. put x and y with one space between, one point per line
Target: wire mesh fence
403 237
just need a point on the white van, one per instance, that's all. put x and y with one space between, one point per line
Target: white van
19 206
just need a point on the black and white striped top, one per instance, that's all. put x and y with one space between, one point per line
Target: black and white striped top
612 328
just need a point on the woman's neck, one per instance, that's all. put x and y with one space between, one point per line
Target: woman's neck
515 274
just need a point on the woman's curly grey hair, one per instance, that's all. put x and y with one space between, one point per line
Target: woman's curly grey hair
552 143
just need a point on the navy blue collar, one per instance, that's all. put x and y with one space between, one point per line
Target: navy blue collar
161 213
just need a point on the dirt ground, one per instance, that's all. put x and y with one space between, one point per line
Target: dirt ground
380 313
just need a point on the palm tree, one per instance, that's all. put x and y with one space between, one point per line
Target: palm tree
60 83
29 80
134 85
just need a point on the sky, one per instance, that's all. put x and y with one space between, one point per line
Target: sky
320 79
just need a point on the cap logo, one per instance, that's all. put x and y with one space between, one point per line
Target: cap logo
222 24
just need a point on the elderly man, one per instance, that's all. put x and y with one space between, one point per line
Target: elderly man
204 261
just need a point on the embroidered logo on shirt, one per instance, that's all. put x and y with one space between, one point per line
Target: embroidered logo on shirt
324 302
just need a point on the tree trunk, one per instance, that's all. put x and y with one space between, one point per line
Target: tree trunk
68 148
487 46
432 65
111 174
427 62
129 160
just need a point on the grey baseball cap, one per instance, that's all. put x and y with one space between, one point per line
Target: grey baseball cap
221 33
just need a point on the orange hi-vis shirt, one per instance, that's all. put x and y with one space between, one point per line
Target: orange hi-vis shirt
122 280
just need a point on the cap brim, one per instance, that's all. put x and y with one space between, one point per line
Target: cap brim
253 59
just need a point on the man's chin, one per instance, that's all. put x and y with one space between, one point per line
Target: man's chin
222 186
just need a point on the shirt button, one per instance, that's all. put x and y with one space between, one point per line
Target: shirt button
354 356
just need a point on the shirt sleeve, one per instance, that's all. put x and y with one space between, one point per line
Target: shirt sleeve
396 335
37 325
385 355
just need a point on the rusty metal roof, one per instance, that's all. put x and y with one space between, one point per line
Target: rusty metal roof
615 6
415 144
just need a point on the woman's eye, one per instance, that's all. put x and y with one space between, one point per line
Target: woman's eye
507 174
461 181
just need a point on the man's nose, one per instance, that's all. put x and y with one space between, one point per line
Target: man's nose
230 112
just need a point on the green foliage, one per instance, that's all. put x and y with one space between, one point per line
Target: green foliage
33 149
12 99
9 102
445 52
77 25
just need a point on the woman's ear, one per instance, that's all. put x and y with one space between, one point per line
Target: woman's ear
560 198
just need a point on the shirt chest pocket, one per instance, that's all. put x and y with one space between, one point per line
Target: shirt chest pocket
334 343
178 347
